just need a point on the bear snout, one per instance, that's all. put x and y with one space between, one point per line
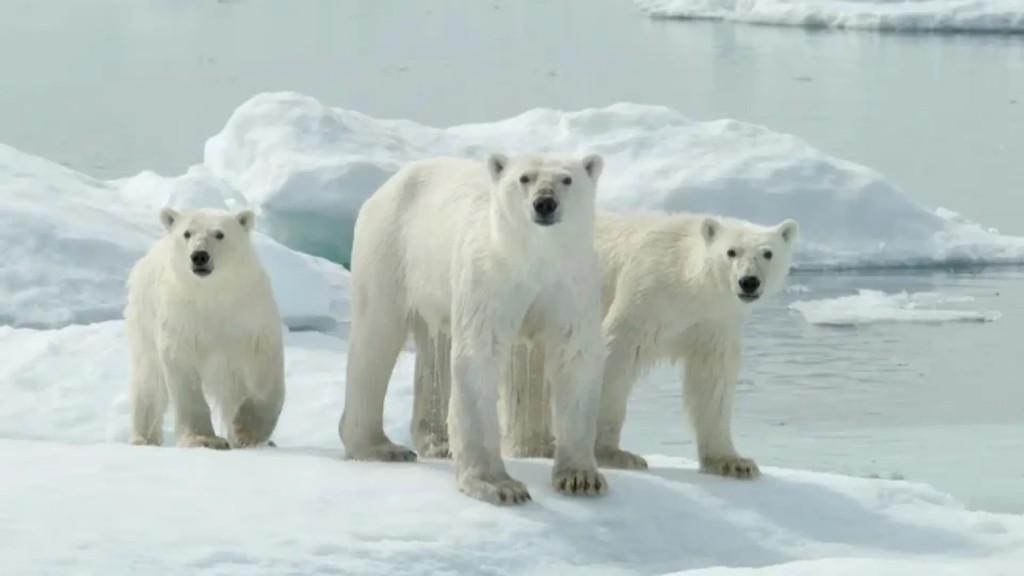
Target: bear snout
544 209
200 262
749 287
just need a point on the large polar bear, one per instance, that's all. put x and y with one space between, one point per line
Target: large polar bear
675 287
486 256
202 320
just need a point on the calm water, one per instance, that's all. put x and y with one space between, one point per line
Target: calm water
114 87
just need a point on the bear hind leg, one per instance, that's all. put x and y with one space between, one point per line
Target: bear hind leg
379 330
432 384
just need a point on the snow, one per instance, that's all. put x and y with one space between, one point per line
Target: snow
877 307
69 241
76 499
980 16
309 167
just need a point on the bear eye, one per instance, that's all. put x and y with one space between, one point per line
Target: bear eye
567 181
524 179
187 235
219 235
767 254
731 253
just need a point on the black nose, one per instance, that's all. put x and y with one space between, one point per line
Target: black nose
749 284
200 258
545 206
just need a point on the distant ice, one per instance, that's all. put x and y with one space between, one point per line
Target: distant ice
68 242
309 168
78 500
875 307
989 16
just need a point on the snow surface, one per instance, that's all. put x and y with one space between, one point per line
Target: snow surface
877 307
69 241
309 168
986 16
76 499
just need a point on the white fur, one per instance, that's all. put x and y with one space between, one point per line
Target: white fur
192 337
670 292
450 249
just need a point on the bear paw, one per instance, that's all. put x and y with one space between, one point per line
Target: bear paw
730 466
434 447
141 441
579 482
620 459
214 442
389 452
500 492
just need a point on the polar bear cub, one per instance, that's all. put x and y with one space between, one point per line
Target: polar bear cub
485 255
201 320
675 287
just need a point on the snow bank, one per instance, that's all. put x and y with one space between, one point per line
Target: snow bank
989 16
309 168
876 307
69 241
108 508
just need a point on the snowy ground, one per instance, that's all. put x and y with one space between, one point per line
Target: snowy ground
76 499
982 16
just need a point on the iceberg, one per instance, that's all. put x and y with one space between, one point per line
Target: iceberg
309 167
69 242
940 16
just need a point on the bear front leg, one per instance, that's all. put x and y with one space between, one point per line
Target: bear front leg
474 430
432 379
258 411
524 404
574 365
712 369
149 400
620 375
193 426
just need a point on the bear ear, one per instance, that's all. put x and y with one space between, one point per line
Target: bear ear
788 229
247 218
168 216
496 165
594 165
709 229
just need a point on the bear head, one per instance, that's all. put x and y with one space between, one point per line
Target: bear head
545 190
207 240
751 260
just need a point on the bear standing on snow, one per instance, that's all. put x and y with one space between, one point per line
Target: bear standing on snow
675 287
201 319
486 256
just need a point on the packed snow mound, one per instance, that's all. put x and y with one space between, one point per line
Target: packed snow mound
877 307
310 167
69 242
302 509
984 16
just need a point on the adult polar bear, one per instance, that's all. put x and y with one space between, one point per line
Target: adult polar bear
675 287
488 256
201 318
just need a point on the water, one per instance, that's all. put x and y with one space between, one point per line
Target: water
115 87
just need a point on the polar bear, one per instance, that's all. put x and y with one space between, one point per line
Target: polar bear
675 287
483 256
201 320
